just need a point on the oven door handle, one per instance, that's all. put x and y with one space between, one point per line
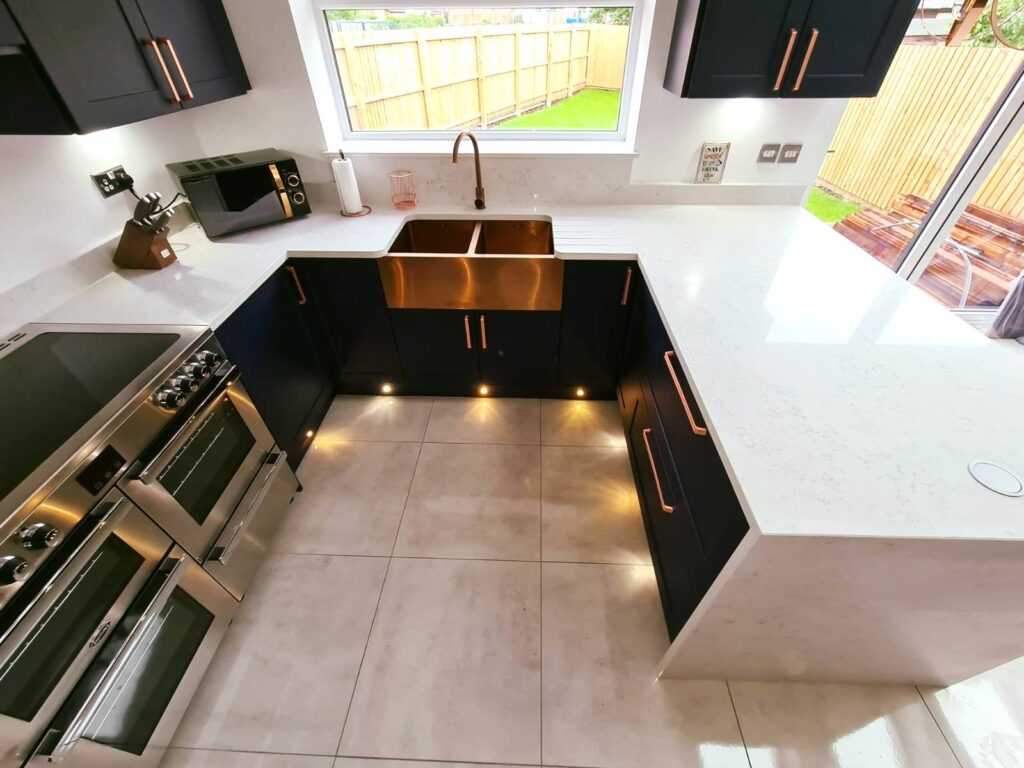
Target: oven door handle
80 722
258 491
163 458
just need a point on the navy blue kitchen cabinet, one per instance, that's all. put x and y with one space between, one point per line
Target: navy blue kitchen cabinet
518 350
270 341
597 301
355 322
788 48
116 62
439 351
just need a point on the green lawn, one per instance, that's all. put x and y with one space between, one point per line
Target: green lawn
828 207
589 110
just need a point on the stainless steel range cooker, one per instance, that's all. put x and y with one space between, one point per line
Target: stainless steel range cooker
138 487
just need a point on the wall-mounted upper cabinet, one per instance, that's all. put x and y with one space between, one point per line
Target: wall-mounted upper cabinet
789 48
119 62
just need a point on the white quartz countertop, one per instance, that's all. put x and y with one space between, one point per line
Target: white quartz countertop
844 401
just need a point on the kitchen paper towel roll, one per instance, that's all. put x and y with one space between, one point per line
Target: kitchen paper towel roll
348 190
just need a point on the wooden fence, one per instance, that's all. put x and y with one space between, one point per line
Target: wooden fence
910 137
458 77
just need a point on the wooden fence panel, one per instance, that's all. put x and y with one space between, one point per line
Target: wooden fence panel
909 138
456 77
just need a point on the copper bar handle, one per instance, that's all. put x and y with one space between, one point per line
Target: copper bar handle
175 98
298 285
793 34
469 337
697 430
807 59
625 288
654 470
483 332
177 63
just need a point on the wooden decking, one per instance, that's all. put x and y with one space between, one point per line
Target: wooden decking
994 243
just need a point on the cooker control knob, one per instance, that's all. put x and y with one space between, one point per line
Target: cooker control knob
13 569
197 370
168 398
208 357
298 198
292 180
39 536
183 384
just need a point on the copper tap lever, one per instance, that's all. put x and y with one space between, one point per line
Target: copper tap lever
479 201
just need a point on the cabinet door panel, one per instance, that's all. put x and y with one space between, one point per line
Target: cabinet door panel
518 347
741 45
96 59
855 45
595 312
438 354
205 45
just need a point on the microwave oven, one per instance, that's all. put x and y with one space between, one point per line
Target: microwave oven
229 193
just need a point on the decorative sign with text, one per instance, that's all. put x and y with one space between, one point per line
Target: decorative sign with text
712 162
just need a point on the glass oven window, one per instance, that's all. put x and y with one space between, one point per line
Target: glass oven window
32 672
145 685
203 467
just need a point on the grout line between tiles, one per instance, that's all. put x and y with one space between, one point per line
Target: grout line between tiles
247 751
941 731
736 714
432 761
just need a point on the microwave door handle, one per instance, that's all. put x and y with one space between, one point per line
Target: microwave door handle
226 544
82 718
158 462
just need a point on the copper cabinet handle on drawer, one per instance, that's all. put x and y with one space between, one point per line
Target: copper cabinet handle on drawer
483 332
625 288
469 338
657 483
177 63
175 98
298 285
793 34
807 59
701 431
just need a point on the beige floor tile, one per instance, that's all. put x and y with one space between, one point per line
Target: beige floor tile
203 758
589 509
793 725
282 679
358 762
983 718
484 420
452 669
581 422
352 498
603 707
357 417
473 501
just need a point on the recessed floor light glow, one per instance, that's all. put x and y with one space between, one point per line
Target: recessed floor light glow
484 390
309 433
386 389
581 392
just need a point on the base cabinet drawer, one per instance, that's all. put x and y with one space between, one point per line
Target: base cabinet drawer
680 565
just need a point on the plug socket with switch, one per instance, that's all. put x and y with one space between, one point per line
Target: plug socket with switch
113 181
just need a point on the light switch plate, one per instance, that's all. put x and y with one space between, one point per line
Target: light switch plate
790 153
769 153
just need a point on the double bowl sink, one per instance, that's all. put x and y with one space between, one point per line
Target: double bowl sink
474 264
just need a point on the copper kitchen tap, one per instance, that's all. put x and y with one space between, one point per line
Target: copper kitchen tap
479 202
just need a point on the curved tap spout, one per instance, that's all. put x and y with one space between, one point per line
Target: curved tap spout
479 201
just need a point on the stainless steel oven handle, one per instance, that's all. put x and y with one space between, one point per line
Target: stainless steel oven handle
92 704
159 461
222 550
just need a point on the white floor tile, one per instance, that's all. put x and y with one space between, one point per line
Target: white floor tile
983 718
589 508
794 725
582 422
603 707
282 679
202 758
452 670
484 420
356 417
473 501
352 498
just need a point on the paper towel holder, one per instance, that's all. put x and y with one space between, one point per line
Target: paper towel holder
365 209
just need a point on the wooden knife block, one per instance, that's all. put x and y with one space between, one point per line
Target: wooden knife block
139 249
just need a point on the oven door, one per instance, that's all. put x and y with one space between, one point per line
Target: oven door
128 704
44 652
192 484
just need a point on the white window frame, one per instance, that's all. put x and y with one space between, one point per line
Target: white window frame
430 141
